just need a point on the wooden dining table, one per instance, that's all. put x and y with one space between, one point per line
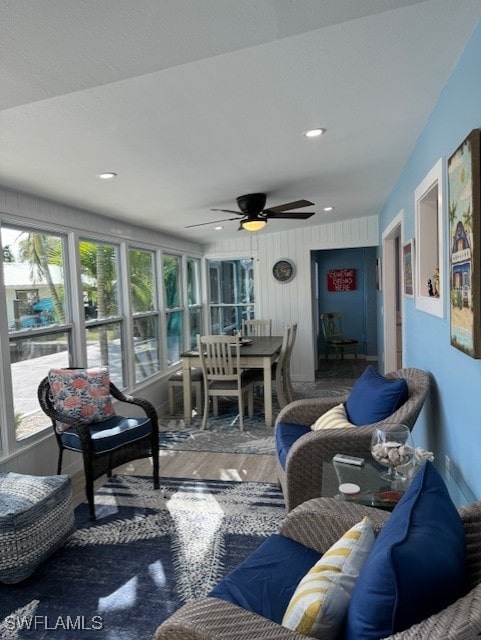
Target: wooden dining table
260 353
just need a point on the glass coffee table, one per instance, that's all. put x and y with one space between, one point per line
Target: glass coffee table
373 490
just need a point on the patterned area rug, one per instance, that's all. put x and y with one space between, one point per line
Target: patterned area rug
223 434
148 553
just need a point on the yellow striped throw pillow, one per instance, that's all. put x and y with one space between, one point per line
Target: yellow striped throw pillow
320 602
335 418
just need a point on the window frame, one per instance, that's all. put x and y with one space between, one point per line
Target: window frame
9 442
118 319
155 312
242 309
78 325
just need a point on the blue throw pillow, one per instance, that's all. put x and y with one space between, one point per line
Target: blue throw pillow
416 566
265 582
375 397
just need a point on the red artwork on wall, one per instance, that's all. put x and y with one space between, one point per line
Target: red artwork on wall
341 280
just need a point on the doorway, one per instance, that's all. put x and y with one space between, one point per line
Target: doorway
392 298
356 303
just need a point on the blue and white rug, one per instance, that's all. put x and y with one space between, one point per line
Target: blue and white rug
223 434
148 553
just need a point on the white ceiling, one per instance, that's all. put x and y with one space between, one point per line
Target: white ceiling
195 102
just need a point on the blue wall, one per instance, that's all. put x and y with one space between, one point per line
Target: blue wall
451 421
357 307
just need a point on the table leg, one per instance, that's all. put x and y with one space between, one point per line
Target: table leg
268 392
187 390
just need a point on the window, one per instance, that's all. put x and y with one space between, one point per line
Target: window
429 254
104 324
173 307
145 313
194 300
116 318
231 292
35 301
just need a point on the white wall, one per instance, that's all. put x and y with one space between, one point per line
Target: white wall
292 302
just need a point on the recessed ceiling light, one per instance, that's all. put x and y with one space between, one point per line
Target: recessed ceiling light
218 228
328 208
107 175
314 133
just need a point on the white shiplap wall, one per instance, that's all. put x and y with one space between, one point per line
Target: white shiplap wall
293 301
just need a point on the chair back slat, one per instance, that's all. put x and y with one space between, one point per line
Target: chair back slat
220 356
256 327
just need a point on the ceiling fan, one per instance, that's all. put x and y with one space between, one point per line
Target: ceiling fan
255 216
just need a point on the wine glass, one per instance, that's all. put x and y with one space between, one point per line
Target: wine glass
393 447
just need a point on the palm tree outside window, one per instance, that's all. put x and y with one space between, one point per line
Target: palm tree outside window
39 329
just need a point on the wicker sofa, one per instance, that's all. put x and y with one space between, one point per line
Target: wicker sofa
317 524
301 474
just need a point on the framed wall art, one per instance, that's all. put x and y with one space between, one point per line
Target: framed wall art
283 270
464 188
408 267
341 280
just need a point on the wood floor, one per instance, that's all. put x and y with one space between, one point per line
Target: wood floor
200 465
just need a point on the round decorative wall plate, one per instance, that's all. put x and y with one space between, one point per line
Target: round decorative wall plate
284 270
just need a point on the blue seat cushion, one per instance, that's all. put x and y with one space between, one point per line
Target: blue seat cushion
286 434
109 434
416 566
265 582
374 397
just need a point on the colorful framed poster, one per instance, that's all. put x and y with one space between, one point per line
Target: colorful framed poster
464 180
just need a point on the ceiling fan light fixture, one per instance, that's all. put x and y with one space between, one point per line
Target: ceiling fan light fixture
253 225
314 133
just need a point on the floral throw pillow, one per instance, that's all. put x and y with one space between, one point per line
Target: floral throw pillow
81 393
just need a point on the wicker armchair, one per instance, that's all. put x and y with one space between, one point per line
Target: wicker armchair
120 449
318 524
301 479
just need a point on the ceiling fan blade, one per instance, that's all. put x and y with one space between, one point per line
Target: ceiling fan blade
238 213
203 224
286 216
298 204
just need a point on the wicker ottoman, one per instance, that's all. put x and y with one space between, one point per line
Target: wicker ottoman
36 518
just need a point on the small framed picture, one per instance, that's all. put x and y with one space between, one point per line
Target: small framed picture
408 267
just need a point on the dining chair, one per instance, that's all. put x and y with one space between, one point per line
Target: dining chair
79 403
256 327
334 338
220 360
289 389
177 380
280 374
